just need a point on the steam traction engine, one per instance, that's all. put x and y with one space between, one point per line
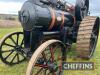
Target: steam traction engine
50 27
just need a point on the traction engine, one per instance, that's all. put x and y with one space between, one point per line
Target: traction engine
50 27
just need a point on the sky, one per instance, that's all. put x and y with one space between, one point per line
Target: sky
13 6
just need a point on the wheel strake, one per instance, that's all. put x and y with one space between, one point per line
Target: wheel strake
87 37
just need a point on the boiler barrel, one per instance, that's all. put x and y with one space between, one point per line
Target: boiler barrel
42 16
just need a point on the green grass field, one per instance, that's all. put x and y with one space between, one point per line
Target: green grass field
20 69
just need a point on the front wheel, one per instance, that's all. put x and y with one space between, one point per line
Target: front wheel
11 48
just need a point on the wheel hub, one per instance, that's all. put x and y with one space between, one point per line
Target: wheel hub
41 61
53 67
18 48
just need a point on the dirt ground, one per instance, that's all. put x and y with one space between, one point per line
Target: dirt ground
9 24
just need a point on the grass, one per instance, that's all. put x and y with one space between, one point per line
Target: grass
11 70
4 31
20 69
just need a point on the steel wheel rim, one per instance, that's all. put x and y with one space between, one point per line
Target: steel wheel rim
50 60
33 64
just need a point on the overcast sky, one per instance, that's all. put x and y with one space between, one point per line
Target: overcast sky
12 6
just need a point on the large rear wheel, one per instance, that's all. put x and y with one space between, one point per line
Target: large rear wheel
87 37
47 59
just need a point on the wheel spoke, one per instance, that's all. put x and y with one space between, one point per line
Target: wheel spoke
22 54
13 58
52 55
95 37
17 39
44 56
22 42
52 51
9 45
13 40
7 51
45 72
8 55
49 73
54 73
49 57
18 57
39 71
